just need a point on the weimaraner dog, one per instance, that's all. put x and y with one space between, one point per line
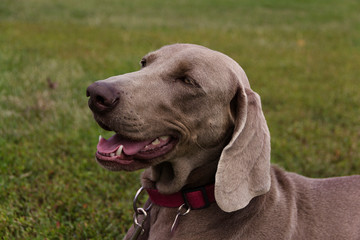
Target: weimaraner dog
191 120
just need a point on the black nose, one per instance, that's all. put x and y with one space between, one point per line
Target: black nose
103 97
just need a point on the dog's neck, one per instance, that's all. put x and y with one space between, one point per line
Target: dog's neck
198 177
202 175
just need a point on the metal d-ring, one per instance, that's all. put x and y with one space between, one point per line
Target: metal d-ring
135 207
136 198
138 225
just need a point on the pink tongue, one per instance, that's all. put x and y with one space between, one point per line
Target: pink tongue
114 142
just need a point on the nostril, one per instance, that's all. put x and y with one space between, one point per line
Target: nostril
107 102
100 100
103 96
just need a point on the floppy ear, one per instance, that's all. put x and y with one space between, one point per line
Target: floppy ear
244 166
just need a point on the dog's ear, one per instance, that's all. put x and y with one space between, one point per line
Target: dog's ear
244 166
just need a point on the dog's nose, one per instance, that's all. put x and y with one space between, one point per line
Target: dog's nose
103 97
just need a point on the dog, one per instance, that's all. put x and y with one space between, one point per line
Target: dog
190 119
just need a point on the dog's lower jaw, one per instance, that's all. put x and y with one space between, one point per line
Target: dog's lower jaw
170 177
167 177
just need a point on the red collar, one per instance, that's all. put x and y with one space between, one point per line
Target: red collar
195 198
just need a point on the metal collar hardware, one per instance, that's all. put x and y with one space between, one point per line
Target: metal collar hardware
139 211
182 211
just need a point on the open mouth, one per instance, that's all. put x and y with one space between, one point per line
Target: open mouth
124 151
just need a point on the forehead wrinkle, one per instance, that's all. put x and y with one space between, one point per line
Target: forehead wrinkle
182 67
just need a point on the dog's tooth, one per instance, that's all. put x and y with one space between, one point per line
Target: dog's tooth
112 154
100 137
119 151
156 142
164 138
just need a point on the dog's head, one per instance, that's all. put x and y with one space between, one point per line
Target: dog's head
186 107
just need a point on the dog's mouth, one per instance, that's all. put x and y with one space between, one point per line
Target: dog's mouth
125 151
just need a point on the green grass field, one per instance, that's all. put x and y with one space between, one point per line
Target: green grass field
302 57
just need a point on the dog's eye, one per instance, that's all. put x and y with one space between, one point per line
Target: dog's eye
184 79
188 81
143 62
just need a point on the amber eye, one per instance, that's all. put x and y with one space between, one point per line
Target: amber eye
187 81
143 62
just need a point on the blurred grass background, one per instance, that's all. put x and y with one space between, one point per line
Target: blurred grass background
302 57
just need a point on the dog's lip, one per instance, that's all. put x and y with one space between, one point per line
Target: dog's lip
121 161
144 156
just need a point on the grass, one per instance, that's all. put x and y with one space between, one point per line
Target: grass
302 57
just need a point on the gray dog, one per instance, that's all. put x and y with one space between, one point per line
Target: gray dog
191 120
